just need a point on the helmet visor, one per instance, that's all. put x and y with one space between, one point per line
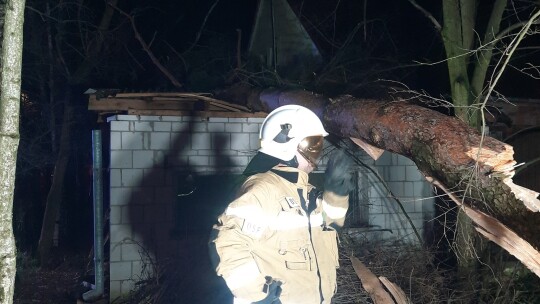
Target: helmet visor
310 148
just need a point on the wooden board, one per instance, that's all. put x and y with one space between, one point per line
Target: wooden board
162 101
202 114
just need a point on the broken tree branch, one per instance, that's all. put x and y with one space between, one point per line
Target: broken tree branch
495 231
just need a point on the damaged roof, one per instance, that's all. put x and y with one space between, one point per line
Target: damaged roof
111 102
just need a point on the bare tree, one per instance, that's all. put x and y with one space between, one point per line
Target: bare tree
10 91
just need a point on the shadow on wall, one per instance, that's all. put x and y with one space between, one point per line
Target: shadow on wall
171 223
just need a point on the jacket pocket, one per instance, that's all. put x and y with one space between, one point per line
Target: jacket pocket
295 254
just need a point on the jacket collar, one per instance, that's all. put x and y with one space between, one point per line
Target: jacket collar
292 175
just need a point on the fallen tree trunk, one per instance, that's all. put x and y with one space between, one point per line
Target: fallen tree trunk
477 170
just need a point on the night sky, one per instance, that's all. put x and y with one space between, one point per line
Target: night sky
393 34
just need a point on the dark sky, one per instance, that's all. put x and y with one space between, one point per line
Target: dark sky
394 27
393 33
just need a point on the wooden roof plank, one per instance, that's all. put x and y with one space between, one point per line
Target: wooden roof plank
239 107
224 106
177 99
112 104
159 94
162 101
203 114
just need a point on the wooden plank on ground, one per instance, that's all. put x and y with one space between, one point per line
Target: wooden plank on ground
371 283
396 291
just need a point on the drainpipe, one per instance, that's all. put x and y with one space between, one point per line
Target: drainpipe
97 184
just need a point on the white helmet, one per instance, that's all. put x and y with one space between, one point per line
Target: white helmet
285 127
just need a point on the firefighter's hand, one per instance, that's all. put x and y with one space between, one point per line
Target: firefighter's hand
338 177
272 289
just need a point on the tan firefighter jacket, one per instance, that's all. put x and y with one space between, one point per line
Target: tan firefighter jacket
266 232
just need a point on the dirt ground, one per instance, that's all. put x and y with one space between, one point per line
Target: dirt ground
57 283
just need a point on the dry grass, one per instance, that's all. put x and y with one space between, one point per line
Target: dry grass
416 271
408 266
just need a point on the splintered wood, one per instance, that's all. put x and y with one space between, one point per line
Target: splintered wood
501 162
498 233
503 167
372 284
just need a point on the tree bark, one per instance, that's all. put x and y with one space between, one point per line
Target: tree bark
457 34
10 93
481 65
454 36
466 87
477 169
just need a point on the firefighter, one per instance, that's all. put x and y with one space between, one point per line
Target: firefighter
277 242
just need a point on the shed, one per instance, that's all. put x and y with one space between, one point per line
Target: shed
174 162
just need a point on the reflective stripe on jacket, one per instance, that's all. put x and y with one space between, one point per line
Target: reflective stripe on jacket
266 232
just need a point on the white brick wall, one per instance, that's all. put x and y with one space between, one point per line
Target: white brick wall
408 185
146 151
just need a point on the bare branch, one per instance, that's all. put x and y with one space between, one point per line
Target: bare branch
146 48
531 70
503 62
483 59
42 14
201 28
428 15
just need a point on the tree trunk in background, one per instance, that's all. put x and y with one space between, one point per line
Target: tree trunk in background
466 244
457 43
80 76
466 89
12 13
54 198
484 56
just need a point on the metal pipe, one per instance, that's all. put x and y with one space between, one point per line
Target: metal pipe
97 185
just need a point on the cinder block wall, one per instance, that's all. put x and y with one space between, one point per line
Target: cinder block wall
146 152
408 185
